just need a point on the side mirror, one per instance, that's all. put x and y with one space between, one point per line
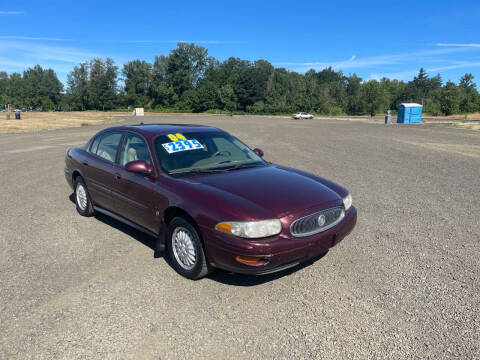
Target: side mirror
259 152
139 167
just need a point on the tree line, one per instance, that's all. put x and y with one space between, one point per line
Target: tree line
189 80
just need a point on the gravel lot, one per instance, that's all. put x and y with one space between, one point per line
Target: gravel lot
404 284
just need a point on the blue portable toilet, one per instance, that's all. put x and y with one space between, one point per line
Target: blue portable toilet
409 113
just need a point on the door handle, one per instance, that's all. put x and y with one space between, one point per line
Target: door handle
117 176
85 163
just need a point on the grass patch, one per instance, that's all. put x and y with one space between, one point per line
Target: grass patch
153 328
34 121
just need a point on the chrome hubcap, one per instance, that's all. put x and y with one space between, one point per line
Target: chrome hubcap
184 248
81 197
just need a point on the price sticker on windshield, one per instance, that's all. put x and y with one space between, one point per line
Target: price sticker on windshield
182 145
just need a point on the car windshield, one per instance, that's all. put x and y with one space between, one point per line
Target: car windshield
202 152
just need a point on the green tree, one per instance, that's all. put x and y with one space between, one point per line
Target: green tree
15 90
138 79
466 82
374 96
39 87
470 102
227 98
4 84
185 66
162 94
102 86
450 99
354 103
254 83
77 86
422 83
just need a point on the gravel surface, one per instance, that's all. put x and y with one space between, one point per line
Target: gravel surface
404 284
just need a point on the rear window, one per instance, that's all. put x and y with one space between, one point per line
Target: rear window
108 146
94 146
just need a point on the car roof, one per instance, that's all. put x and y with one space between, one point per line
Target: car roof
151 130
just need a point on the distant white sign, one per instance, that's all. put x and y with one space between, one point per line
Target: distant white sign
138 112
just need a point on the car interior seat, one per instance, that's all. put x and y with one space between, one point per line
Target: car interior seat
103 152
131 155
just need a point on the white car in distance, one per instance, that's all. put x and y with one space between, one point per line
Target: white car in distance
302 115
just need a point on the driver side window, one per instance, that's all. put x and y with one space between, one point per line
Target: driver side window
134 148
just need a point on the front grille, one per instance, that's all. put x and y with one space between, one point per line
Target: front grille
312 224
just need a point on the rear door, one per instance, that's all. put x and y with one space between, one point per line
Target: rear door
133 192
98 168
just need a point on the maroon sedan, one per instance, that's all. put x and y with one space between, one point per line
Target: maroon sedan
208 198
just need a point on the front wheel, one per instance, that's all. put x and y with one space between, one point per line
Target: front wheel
186 249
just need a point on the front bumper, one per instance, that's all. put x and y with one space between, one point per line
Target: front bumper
278 253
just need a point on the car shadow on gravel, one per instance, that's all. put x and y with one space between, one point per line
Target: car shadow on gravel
130 231
141 237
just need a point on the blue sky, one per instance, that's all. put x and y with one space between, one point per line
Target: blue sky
370 38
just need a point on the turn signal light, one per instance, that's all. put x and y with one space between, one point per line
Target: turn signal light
247 259
225 227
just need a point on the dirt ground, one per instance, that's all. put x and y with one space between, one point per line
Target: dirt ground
466 125
34 121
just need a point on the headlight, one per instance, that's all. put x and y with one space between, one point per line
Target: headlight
347 202
251 229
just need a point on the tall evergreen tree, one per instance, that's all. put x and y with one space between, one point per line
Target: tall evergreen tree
77 87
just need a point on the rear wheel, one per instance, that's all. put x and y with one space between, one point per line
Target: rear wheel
82 198
186 249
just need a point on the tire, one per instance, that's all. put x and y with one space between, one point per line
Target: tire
82 198
188 256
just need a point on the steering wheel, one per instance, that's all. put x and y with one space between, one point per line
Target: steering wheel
222 153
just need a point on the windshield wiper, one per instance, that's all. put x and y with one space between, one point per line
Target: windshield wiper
195 171
243 166
211 170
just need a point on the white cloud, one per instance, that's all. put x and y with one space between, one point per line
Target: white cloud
35 38
2 12
32 38
175 41
457 65
406 75
46 52
458 45
401 75
13 65
354 62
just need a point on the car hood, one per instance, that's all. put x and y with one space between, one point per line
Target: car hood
278 189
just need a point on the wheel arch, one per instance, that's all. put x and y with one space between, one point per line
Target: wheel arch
172 212
75 175
175 211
